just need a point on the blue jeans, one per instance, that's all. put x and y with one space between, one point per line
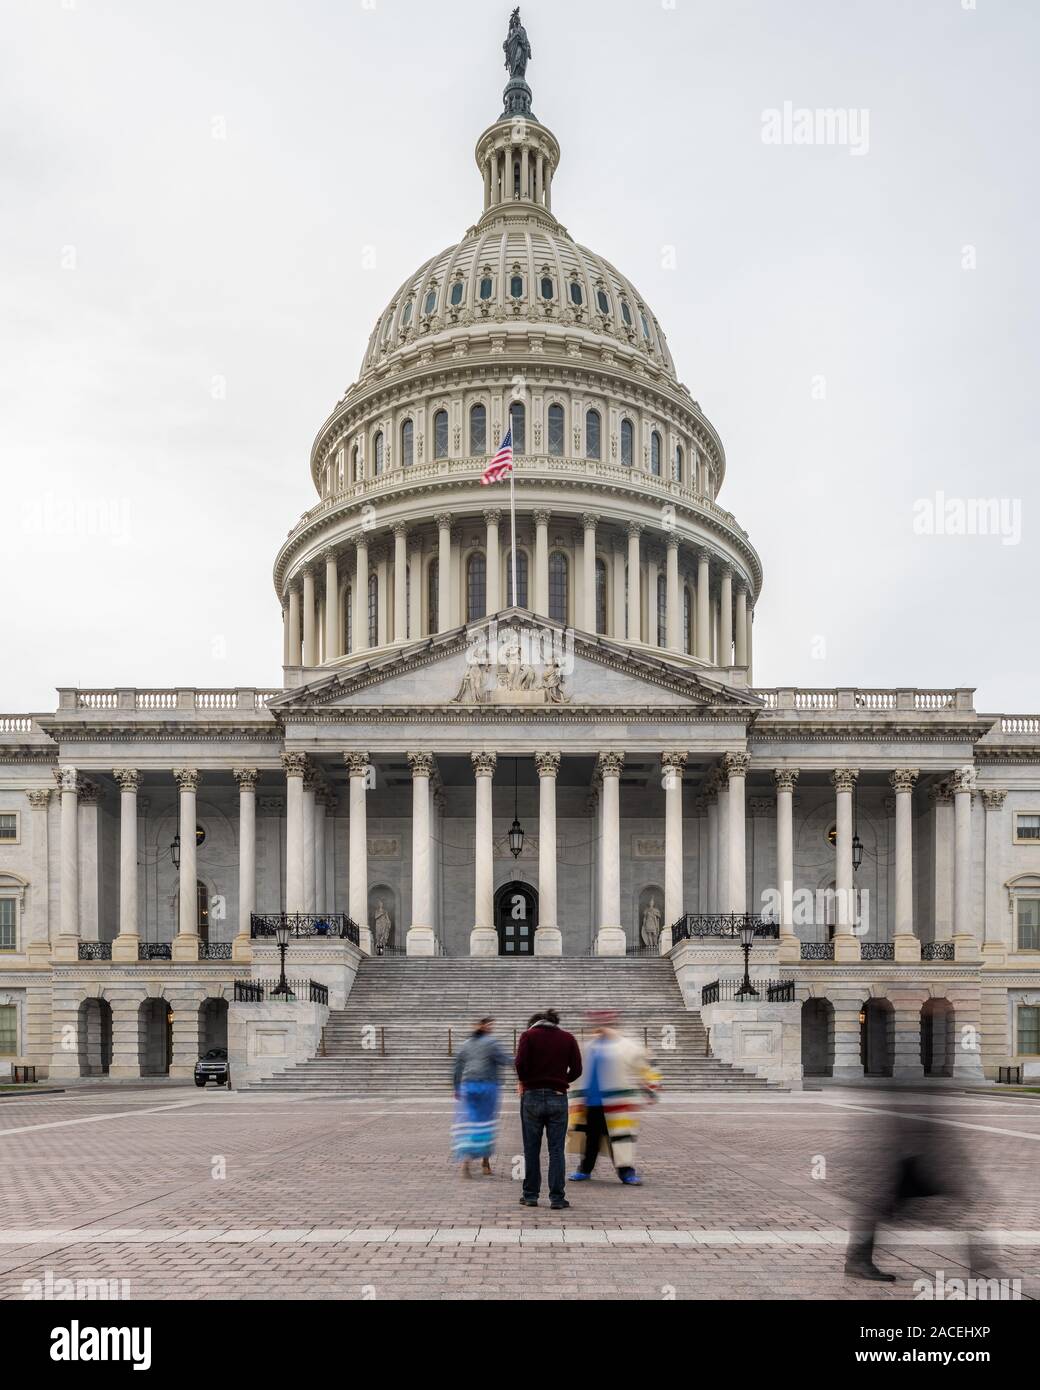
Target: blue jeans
544 1110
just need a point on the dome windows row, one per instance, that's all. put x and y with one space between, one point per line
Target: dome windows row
478 444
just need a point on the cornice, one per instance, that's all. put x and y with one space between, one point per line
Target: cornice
869 731
548 715
78 732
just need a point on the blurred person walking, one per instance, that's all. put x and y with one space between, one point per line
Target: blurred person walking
604 1111
476 1080
548 1060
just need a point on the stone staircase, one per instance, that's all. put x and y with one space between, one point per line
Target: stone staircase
392 1039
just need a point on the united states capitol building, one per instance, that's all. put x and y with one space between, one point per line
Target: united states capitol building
574 763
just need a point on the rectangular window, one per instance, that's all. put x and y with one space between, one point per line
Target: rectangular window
1029 1030
8 1030
8 827
1027 827
1027 912
8 924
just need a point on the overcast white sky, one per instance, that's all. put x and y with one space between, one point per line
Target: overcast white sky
142 257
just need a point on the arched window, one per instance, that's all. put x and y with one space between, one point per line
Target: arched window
601 596
476 586
516 286
377 452
457 291
592 423
556 430
516 178
655 453
576 295
433 594
348 616
626 313
373 610
440 435
407 444
202 899
478 430
355 464
486 287
627 443
662 611
558 578
547 287
431 302
521 579
603 300
518 421
646 326
406 317
687 621
677 464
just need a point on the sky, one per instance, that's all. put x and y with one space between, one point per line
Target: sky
204 207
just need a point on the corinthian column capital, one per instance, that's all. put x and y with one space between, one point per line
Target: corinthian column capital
484 764
187 778
903 779
785 778
422 764
548 764
844 778
128 778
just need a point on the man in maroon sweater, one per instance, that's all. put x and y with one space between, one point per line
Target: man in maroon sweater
547 1061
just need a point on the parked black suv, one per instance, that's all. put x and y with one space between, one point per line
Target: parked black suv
212 1066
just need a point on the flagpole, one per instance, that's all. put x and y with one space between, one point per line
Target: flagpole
512 528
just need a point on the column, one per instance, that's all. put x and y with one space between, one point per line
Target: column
846 943
494 566
400 582
711 798
722 843
358 770
672 597
310 626
610 939
736 766
941 799
750 651
672 765
726 618
541 564
381 560
653 565
310 793
186 942
703 635
40 937
548 939
246 777
321 797
741 655
333 634
539 179
785 779
995 943
124 948
487 184
420 940
617 630
635 602
525 165
295 765
89 862
483 939
361 593
443 572
907 946
415 602
67 946
589 522
965 942
295 638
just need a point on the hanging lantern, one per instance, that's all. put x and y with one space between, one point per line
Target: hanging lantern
857 852
516 830
175 850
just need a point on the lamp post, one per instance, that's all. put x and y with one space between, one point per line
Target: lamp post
747 940
282 933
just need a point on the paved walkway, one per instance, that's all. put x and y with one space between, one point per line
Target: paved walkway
179 1193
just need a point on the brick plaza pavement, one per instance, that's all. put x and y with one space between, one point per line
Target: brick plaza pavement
189 1194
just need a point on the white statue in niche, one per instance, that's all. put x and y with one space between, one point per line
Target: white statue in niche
651 928
382 926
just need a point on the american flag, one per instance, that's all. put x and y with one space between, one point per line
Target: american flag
502 463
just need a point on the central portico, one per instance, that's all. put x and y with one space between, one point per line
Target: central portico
511 718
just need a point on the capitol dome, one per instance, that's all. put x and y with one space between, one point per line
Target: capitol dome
518 327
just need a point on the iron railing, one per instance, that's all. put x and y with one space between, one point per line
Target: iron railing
155 950
817 950
725 924
937 950
734 992
214 950
1009 1076
330 924
877 950
94 950
269 991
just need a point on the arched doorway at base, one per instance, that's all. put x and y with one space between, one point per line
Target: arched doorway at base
937 1037
516 918
818 1037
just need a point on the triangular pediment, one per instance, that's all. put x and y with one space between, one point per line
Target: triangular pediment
515 659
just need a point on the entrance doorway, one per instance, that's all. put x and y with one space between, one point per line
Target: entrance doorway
516 917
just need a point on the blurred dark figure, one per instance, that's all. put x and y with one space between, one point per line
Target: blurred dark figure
547 1061
908 1153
